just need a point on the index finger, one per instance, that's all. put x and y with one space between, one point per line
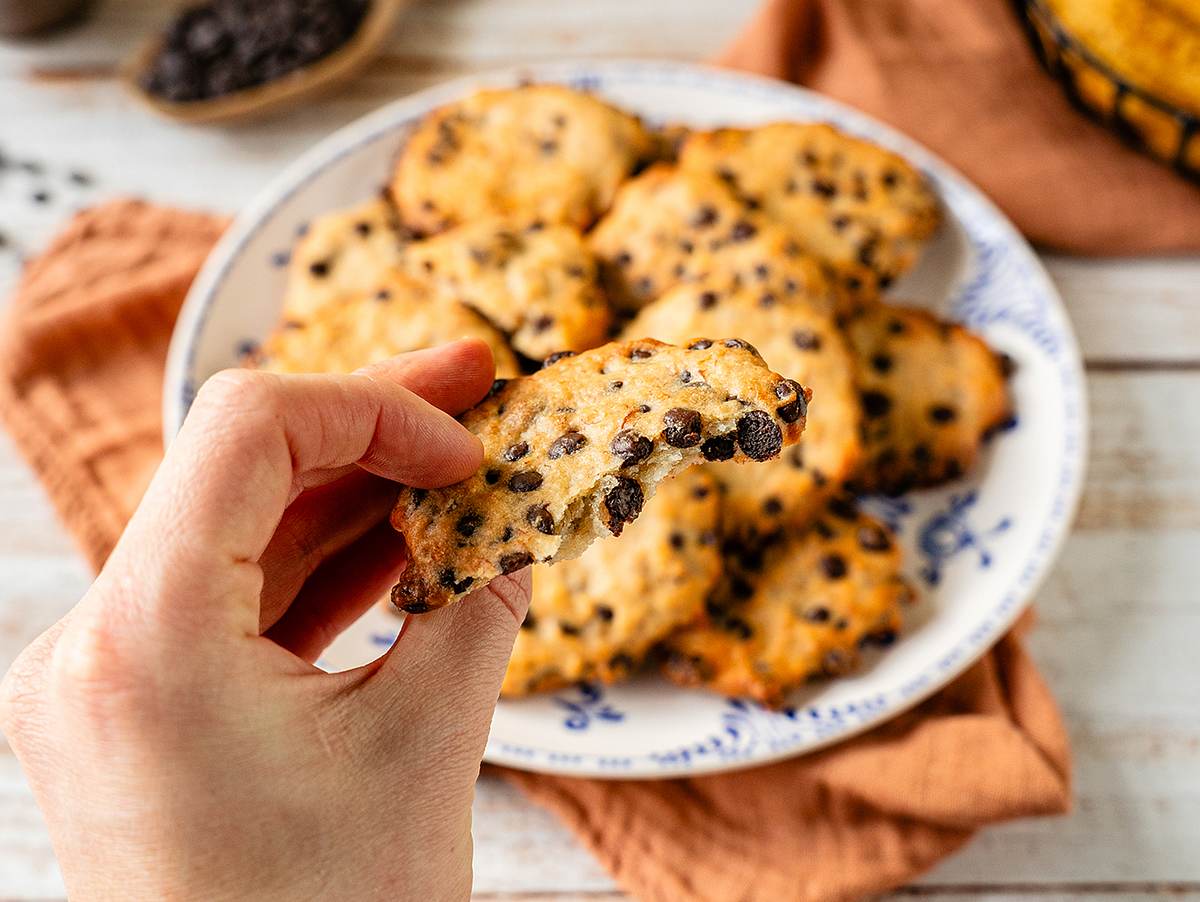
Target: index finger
228 477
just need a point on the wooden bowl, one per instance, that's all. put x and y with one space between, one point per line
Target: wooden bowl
272 96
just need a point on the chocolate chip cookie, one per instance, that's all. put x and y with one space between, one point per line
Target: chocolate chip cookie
399 315
797 337
797 605
861 208
537 283
573 452
536 153
658 221
596 617
930 392
342 254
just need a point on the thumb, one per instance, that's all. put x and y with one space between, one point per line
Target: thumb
451 661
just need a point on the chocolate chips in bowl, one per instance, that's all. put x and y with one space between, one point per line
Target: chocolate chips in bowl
229 59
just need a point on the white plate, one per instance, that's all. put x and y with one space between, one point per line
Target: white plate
978 548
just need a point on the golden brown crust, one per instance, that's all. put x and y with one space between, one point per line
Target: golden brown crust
797 606
930 393
537 284
596 617
342 254
535 153
400 315
572 452
862 209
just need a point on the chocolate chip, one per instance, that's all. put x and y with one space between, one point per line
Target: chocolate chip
707 300
740 344
681 427
843 507
567 443
468 523
766 299
363 228
740 588
942 414
872 538
491 477
641 353
631 447
806 340
319 268
896 327
516 452
542 323
743 230
875 404
719 447
644 408
677 540
840 223
604 613
833 566
448 580
617 385
700 344
705 216
507 534
624 258
738 627
525 481
773 506
497 386
890 178
817 615
824 188
759 436
568 629
514 561
796 409
556 357
530 622
881 363
623 503
540 518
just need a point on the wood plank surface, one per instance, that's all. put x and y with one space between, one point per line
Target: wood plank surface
1119 618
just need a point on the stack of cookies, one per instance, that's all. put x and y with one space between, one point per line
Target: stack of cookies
549 224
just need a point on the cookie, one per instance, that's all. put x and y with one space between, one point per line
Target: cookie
657 222
930 392
571 454
795 337
342 254
537 284
797 606
862 209
596 617
535 153
400 315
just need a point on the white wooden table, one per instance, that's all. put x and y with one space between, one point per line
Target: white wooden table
1119 634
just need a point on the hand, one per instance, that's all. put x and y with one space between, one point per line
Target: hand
174 730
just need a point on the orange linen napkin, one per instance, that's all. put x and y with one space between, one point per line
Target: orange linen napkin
81 361
961 78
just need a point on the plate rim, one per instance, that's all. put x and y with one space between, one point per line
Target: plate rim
177 390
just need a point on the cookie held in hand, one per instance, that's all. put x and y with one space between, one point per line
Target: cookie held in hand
573 452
